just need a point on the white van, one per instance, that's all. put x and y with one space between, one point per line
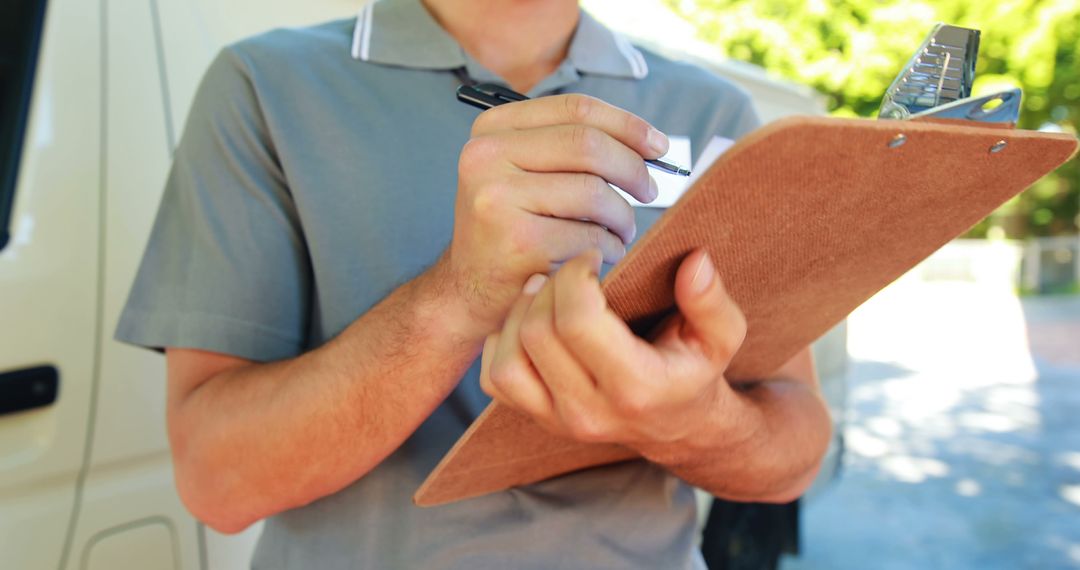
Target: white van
87 126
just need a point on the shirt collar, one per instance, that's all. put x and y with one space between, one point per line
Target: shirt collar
403 33
598 50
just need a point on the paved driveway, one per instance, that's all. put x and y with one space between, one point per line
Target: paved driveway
963 439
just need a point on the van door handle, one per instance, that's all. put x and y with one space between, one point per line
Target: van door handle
28 388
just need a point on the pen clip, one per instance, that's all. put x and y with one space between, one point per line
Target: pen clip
488 95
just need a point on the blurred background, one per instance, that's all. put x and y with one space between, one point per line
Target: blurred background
961 447
850 51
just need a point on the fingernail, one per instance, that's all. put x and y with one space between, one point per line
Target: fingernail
658 142
533 285
654 190
703 275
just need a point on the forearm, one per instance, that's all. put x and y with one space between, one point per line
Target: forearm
258 439
783 430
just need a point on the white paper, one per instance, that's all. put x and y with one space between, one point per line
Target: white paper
673 186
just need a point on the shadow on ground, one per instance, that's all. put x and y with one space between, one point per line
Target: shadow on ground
962 439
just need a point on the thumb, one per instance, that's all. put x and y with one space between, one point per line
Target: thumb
715 320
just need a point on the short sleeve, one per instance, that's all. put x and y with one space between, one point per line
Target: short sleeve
226 268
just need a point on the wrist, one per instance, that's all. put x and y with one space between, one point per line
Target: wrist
731 425
441 305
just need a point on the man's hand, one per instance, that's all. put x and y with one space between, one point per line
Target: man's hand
533 192
567 360
570 362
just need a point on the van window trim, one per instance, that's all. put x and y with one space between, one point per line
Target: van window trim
25 75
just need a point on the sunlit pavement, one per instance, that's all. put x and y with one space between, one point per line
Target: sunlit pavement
963 435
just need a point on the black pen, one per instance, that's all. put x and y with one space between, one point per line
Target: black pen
487 95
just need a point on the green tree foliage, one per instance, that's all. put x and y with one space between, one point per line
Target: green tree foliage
850 50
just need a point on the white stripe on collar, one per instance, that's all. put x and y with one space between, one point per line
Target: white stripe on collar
637 62
410 37
361 45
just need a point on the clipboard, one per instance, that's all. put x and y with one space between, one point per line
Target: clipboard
805 219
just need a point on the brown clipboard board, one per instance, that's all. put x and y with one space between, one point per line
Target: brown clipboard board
806 218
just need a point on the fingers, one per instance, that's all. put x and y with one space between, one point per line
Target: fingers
714 317
577 404
491 344
567 360
625 127
505 371
562 240
581 197
574 148
597 337
516 222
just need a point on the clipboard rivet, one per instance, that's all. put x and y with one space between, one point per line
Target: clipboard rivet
898 140
999 146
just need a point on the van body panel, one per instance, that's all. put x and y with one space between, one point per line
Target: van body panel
193 31
49 289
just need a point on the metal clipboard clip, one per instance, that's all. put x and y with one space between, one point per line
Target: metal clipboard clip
936 83
1003 107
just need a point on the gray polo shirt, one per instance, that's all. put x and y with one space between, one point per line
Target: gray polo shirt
316 173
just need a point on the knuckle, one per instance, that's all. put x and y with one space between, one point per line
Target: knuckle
499 377
583 427
504 376
724 351
487 202
486 385
580 108
640 172
634 403
596 235
628 217
535 332
573 327
585 141
736 335
486 121
733 332
476 153
523 242
595 190
727 347
480 124
637 129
